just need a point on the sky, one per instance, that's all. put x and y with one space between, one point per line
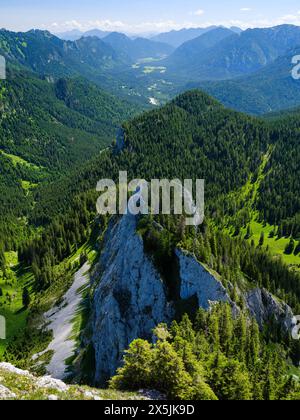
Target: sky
144 16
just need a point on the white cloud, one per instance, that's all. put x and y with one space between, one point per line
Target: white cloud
167 25
246 9
109 25
199 12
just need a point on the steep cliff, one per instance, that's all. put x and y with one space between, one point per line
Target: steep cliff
131 297
266 308
196 280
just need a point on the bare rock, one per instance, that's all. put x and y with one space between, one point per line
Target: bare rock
265 307
12 369
6 394
50 383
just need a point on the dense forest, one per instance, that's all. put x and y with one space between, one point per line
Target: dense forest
46 130
223 147
194 136
217 357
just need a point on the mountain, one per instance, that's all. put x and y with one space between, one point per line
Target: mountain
236 29
177 38
224 147
137 48
239 54
46 130
147 269
173 307
46 54
75 34
89 57
187 54
97 33
271 89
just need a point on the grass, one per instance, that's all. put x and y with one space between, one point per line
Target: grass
295 371
275 245
64 274
26 387
16 160
28 186
245 214
11 306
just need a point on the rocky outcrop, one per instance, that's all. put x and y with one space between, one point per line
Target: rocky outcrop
16 384
60 320
130 299
6 394
266 308
196 280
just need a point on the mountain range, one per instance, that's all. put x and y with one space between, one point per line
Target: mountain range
271 89
173 38
177 38
75 34
137 48
235 55
85 293
229 65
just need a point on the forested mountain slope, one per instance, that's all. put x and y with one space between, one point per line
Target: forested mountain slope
46 54
270 89
239 156
189 52
177 38
48 128
195 136
138 48
239 54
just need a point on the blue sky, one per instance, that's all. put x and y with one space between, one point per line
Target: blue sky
140 16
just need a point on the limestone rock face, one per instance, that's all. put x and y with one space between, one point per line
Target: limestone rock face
130 299
265 308
196 280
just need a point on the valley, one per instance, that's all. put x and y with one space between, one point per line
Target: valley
84 294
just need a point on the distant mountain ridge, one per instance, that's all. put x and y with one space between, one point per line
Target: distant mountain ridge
75 34
45 53
236 55
177 38
137 48
188 53
271 89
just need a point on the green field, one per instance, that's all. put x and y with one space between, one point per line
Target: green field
245 214
275 245
17 160
11 307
